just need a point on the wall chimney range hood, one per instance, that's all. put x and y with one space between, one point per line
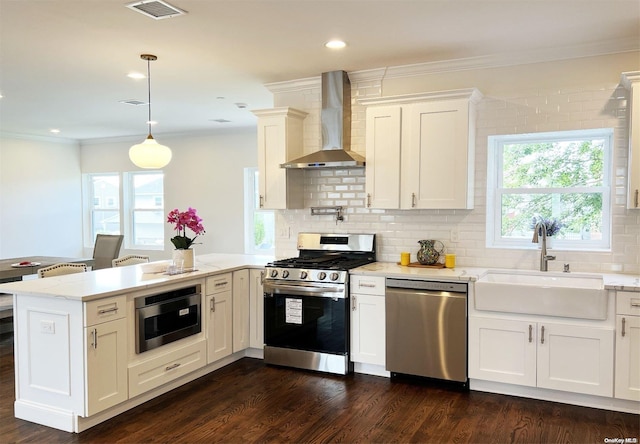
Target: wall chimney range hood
335 120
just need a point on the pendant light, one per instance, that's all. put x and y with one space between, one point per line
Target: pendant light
149 154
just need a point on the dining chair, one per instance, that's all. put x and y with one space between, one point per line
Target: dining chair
61 268
130 259
106 249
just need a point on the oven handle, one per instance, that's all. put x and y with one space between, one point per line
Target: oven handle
303 290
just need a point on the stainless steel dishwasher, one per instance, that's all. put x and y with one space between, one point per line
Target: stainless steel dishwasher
426 328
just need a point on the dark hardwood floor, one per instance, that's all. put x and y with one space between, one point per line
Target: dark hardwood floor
249 401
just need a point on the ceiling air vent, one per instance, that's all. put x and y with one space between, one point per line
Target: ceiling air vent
156 9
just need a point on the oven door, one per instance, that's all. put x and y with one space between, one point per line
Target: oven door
310 317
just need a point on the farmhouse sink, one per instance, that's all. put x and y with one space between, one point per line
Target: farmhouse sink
542 293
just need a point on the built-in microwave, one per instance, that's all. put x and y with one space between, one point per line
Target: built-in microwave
165 317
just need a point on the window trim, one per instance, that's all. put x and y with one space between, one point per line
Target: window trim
495 191
251 206
129 210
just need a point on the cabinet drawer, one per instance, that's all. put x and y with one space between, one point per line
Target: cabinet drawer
628 302
158 371
368 285
218 283
103 310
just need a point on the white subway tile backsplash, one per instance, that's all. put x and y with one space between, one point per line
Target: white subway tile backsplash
532 110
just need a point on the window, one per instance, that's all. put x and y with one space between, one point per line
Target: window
259 224
146 210
141 216
561 175
105 211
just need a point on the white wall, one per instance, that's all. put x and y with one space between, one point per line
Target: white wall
563 95
206 173
40 198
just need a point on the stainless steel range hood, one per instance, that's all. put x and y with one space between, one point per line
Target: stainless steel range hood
336 127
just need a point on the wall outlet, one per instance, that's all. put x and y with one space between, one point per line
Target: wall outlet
284 232
47 327
455 235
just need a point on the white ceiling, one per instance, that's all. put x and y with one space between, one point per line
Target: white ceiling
63 63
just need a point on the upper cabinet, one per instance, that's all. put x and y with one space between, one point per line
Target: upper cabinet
280 132
631 80
420 150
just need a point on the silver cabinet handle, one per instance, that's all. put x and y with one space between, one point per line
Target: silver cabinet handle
353 302
261 201
413 200
624 321
94 336
635 304
171 367
635 199
364 284
262 277
212 304
542 335
368 200
530 333
108 310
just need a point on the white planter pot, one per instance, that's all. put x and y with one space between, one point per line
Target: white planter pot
186 258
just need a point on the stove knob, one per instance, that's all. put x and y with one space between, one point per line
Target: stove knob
303 274
274 273
285 274
322 275
334 276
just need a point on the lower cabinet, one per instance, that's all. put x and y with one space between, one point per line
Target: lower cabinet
573 358
256 309
240 310
106 365
628 345
368 320
218 311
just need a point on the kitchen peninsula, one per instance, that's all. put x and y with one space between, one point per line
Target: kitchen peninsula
75 337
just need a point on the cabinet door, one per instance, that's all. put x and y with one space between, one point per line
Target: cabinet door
437 156
383 156
633 201
628 358
240 310
256 310
279 140
368 329
575 359
219 325
502 350
106 365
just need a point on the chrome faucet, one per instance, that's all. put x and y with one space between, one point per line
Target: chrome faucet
544 257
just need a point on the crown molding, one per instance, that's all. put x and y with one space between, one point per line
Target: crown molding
35 138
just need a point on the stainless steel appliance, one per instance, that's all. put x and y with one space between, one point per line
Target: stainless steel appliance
306 302
426 328
166 317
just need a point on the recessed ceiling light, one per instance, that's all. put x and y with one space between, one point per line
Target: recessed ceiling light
136 75
54 130
220 120
335 44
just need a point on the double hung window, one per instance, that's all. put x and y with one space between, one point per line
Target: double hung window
561 175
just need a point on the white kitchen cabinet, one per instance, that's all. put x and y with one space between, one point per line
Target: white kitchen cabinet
627 381
422 149
219 315
368 320
632 82
552 355
240 304
280 139
106 365
256 309
382 174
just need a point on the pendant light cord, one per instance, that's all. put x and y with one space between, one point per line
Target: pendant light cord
149 92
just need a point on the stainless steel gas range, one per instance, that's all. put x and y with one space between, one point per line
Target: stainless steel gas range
306 302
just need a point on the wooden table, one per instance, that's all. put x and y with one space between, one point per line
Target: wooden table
10 274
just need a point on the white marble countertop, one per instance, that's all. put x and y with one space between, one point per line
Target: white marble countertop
624 282
111 281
